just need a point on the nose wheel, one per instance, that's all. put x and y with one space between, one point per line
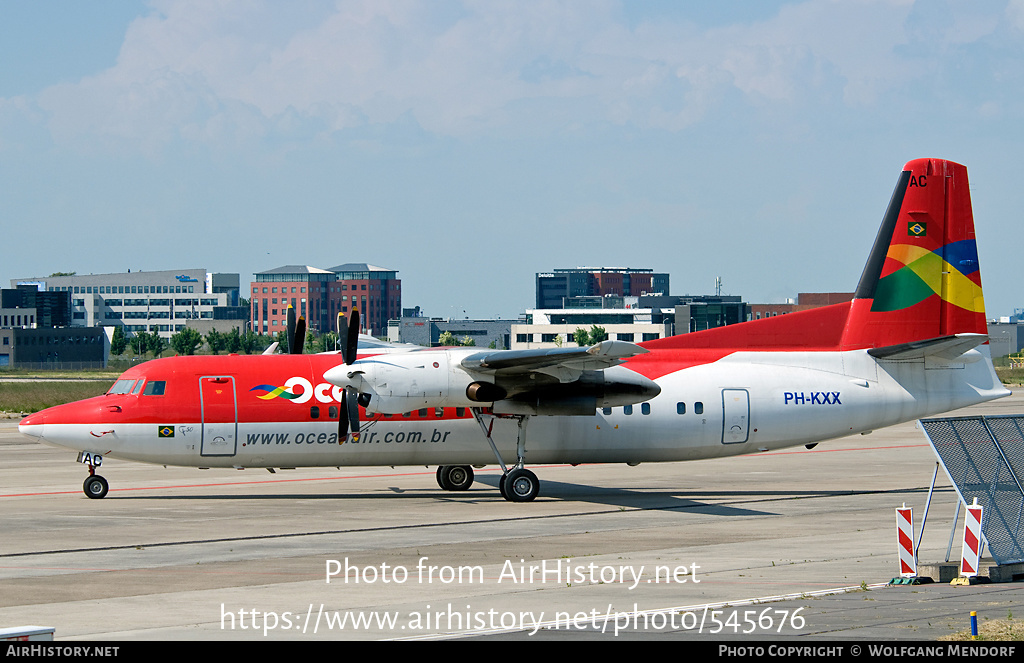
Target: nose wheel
95 487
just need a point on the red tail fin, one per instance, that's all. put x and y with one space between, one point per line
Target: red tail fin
922 278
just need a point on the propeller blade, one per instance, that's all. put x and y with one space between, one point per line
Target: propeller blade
352 341
300 336
343 417
353 411
343 338
291 329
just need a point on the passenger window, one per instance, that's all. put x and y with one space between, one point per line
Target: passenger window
628 409
698 408
332 412
154 388
606 410
460 412
680 408
423 413
314 412
645 408
439 412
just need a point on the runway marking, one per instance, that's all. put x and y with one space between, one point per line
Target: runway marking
489 519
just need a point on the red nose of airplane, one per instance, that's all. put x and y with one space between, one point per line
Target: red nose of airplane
32 425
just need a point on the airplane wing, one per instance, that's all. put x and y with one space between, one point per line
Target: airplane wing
564 364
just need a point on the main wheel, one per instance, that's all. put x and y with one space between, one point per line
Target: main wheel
455 477
521 485
95 487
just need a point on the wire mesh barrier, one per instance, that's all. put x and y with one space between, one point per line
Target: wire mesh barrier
984 459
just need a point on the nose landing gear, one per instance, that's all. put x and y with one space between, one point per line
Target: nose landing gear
95 486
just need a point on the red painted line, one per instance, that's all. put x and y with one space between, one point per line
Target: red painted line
827 451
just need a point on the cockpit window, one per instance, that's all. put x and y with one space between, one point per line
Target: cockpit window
138 386
154 388
121 387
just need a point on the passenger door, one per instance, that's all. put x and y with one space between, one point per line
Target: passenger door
735 416
219 414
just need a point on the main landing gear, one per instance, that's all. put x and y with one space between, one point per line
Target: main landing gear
455 477
518 484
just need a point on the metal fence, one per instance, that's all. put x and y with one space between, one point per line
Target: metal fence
55 366
984 459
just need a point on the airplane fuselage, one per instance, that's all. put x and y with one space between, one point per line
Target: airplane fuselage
224 412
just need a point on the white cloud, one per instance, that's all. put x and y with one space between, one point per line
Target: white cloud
230 71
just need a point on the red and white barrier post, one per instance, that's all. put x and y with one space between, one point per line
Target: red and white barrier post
972 541
905 541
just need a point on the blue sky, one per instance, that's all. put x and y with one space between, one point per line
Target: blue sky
472 143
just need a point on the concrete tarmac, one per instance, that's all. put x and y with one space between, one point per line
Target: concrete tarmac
790 544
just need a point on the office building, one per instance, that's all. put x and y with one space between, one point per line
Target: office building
553 288
160 302
321 294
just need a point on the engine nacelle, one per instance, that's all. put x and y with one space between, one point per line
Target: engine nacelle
399 383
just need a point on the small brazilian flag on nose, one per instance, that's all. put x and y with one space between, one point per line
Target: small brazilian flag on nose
917 229
166 431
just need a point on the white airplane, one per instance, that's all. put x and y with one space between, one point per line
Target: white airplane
912 343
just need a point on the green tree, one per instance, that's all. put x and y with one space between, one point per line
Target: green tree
233 341
585 338
187 341
448 339
581 336
250 342
119 342
139 342
327 342
216 340
156 344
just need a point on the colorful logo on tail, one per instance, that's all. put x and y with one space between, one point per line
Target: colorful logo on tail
950 271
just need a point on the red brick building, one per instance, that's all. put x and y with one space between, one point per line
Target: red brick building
320 294
804 301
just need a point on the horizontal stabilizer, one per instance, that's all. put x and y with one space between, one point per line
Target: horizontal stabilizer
943 347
